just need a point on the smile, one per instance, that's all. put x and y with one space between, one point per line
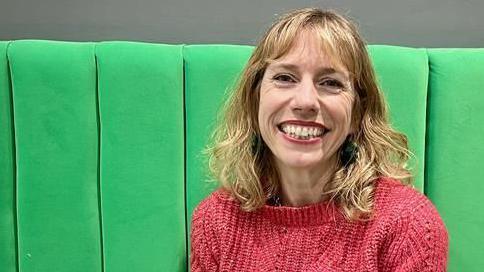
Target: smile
299 131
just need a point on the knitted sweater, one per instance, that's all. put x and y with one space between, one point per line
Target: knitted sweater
406 234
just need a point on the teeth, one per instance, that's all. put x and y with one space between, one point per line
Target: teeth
301 132
305 132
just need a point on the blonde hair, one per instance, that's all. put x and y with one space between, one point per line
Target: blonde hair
242 163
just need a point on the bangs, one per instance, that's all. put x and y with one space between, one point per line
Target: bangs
336 41
340 46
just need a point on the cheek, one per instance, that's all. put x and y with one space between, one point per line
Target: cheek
271 109
341 110
348 116
268 107
264 115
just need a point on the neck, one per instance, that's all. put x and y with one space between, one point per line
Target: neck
302 186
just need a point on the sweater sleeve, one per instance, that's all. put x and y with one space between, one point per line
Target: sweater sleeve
419 241
202 257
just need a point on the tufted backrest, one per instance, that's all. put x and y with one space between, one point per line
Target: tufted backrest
100 147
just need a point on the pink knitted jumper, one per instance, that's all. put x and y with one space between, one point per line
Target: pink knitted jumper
406 234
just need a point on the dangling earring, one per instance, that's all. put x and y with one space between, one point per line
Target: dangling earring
256 144
348 152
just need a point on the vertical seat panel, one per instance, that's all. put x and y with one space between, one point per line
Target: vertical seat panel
8 225
56 137
455 161
211 71
402 74
142 156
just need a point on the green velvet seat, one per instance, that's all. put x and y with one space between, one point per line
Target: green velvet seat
100 147
56 146
455 151
140 89
8 224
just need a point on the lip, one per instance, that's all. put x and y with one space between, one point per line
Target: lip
303 123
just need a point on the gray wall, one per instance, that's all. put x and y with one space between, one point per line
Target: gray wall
417 23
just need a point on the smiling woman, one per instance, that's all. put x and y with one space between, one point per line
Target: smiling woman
312 175
302 94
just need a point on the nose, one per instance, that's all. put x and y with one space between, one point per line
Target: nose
305 100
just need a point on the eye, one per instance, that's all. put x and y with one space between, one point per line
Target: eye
332 83
284 78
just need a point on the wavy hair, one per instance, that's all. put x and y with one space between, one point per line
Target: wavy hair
238 157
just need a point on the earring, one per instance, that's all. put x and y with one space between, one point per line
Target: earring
256 144
349 152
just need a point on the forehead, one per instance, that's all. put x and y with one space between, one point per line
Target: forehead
309 50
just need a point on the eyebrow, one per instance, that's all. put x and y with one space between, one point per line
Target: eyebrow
293 67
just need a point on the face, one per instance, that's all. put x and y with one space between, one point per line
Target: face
305 106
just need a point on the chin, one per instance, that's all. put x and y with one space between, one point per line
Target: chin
301 160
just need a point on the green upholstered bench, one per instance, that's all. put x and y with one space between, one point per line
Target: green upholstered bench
100 163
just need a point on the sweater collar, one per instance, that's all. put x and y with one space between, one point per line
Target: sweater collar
309 215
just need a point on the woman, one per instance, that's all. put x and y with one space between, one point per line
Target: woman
312 176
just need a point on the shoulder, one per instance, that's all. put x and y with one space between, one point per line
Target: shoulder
205 235
414 224
216 200
394 199
215 208
207 221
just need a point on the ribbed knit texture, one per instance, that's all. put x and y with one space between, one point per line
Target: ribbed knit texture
406 234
